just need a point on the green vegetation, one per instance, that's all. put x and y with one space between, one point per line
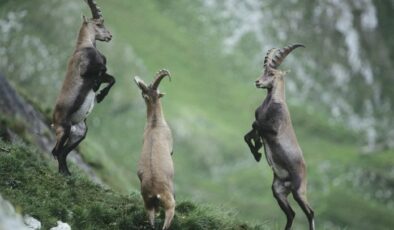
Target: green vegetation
30 183
209 105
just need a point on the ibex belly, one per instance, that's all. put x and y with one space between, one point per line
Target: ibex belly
85 108
277 165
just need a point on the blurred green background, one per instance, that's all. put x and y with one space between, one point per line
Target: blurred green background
339 92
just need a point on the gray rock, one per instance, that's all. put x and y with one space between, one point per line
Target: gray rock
9 219
31 222
61 226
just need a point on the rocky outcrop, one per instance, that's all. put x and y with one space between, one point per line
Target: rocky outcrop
12 105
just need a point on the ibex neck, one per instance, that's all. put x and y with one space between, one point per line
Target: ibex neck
277 92
155 115
86 37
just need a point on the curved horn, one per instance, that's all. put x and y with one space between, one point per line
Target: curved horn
268 57
281 55
96 12
159 76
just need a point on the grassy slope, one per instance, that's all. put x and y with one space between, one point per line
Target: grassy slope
30 183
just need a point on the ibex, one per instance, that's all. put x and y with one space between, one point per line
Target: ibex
86 71
273 130
155 167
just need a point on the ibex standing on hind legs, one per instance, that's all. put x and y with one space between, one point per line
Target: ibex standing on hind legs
155 167
86 71
273 130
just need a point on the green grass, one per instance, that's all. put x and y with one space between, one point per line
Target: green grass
35 188
359 209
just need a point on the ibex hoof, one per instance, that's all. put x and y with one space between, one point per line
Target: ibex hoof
99 98
64 172
257 156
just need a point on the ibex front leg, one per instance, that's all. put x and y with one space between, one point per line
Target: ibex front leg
106 78
254 147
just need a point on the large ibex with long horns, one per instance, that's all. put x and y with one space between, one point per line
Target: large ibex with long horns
155 167
273 130
86 71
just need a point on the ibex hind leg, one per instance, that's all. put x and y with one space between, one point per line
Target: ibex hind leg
77 134
63 169
280 192
151 204
169 206
151 216
62 136
300 196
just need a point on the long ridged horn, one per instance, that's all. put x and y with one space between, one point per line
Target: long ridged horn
159 76
96 12
274 61
268 57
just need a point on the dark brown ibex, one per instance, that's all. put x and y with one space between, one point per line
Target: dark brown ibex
86 71
155 167
273 130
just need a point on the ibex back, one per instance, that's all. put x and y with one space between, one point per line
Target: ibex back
273 130
86 71
155 168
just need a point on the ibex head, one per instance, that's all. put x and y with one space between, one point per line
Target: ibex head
272 60
97 22
150 93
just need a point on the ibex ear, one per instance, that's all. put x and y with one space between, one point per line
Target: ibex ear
84 19
161 95
141 84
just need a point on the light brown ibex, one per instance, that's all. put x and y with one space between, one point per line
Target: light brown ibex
274 131
86 71
155 167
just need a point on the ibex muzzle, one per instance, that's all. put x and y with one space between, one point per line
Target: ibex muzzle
97 22
102 34
273 130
